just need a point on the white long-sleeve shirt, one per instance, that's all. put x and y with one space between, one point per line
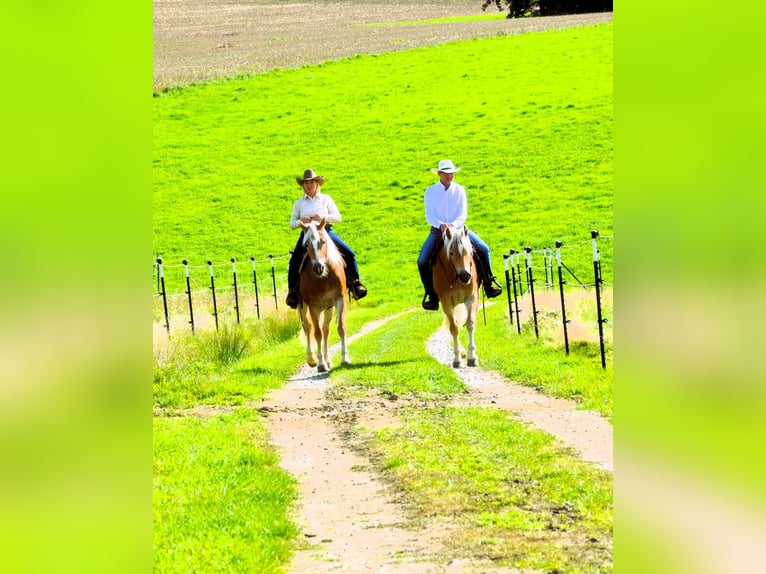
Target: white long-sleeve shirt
321 205
448 205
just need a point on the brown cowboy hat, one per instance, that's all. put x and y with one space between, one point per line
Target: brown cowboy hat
309 175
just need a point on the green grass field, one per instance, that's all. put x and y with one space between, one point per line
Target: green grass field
529 119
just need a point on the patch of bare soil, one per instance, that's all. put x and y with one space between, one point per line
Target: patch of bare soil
349 516
202 40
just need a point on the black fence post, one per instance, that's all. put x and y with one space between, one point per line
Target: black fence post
236 294
255 284
597 275
212 288
514 266
189 294
530 279
506 256
561 289
161 275
274 282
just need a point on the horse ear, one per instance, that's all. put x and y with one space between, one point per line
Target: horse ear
304 225
322 224
448 232
465 231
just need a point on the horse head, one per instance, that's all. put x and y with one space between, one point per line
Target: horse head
319 246
459 250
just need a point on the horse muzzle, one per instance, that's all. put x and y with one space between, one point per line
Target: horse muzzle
319 269
464 276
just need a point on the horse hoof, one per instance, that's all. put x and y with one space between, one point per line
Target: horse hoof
311 362
473 362
346 362
322 369
456 364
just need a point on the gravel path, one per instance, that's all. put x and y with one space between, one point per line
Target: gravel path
349 517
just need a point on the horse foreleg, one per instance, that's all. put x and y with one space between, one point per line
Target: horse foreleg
449 313
308 329
340 311
316 317
326 318
470 325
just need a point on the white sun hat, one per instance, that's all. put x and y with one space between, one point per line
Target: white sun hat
446 166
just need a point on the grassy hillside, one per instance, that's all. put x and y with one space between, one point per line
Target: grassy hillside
528 117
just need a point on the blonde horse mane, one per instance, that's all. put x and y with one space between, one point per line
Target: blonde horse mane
314 233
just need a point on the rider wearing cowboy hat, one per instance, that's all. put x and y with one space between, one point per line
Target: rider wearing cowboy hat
315 205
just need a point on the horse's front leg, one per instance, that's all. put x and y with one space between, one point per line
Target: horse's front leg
308 331
326 318
316 316
340 311
471 306
449 313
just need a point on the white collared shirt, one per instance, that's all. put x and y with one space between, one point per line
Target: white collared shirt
448 205
321 205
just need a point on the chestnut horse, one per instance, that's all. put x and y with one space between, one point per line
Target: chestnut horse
322 287
456 282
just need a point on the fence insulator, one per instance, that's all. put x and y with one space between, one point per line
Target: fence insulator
550 264
255 284
506 256
274 282
564 321
236 294
164 293
597 277
212 288
530 280
189 294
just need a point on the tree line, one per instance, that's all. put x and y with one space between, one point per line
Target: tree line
523 8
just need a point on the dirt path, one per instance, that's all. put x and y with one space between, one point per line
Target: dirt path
350 520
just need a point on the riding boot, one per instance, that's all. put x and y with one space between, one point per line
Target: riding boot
293 298
430 299
357 289
491 287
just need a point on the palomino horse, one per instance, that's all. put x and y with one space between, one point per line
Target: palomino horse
456 281
322 287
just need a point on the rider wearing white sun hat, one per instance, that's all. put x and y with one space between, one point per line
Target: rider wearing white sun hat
446 205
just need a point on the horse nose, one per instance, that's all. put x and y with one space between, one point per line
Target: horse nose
464 276
318 268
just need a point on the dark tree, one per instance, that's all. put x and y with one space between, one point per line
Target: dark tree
522 8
